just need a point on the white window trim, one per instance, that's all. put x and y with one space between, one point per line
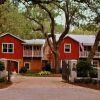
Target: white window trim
64 48
28 63
7 51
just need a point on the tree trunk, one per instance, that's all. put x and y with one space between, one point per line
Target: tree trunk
95 47
57 62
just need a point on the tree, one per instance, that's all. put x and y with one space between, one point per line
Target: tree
73 11
13 21
80 30
95 7
93 23
2 1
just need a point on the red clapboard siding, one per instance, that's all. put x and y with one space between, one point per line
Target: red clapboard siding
74 49
18 47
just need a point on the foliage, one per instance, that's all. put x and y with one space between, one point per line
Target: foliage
83 80
44 73
94 73
31 73
23 70
13 21
80 30
2 67
83 68
2 1
3 79
75 12
47 67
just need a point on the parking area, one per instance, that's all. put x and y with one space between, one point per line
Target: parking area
46 88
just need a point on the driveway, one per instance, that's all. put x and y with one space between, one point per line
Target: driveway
46 88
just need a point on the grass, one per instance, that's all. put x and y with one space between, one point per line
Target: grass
41 74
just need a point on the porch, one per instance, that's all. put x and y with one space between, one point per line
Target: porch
84 54
32 51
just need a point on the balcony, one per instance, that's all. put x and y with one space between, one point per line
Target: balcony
37 53
30 53
84 54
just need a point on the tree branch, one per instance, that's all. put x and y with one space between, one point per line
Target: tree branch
95 46
52 24
67 24
49 43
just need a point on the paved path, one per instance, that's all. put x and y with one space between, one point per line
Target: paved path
46 88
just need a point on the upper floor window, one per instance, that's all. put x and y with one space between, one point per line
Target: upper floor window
67 48
8 48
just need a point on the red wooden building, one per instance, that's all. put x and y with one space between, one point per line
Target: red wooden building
32 53
21 53
75 47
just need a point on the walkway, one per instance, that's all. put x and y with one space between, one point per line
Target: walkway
46 88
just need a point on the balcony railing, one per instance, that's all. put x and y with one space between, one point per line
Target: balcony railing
37 53
27 53
30 53
84 54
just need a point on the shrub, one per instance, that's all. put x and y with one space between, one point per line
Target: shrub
94 73
3 79
23 70
83 68
47 67
2 67
44 73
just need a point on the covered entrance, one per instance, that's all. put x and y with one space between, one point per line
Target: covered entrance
13 66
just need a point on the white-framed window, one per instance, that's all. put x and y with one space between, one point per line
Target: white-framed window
27 65
7 47
67 48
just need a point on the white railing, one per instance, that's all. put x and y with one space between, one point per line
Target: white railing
27 53
30 53
37 53
84 54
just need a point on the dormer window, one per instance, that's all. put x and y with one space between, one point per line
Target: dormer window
67 48
7 47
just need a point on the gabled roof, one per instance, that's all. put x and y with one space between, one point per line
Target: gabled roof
12 36
28 42
85 39
35 41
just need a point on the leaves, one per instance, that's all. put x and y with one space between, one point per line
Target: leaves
12 21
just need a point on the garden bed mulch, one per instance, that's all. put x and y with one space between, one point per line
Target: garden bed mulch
5 85
88 85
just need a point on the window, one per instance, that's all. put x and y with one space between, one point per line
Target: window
27 65
67 48
95 63
8 48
